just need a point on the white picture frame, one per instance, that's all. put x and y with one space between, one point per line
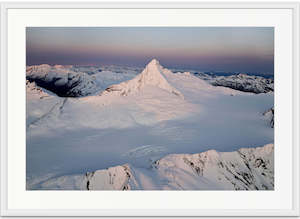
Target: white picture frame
7 205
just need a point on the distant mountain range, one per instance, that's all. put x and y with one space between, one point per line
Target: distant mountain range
246 83
79 81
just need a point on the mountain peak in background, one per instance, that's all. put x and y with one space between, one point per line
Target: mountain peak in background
154 62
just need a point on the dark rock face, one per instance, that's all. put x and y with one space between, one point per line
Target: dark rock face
61 81
245 83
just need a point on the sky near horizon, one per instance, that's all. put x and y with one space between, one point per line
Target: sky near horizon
233 49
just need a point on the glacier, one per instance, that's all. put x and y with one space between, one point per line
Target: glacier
137 119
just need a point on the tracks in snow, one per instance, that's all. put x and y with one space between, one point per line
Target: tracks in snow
55 110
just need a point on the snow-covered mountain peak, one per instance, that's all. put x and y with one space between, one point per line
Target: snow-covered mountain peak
153 75
153 62
153 68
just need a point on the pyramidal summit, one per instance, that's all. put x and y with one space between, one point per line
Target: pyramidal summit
153 75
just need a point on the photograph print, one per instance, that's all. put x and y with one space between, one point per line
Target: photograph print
149 108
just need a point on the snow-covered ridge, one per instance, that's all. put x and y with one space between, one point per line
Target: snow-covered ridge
269 115
33 90
245 169
61 80
246 83
152 75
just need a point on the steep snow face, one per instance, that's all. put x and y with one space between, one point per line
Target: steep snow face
245 169
246 83
152 75
62 80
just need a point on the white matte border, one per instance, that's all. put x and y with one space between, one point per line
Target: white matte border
278 202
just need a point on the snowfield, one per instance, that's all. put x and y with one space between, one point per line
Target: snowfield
146 122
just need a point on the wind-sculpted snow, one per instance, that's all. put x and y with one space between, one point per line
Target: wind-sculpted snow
246 83
145 150
152 75
245 169
62 80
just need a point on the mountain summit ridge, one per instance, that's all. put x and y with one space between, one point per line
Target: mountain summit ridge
152 75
